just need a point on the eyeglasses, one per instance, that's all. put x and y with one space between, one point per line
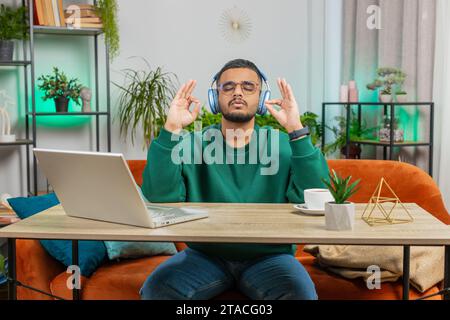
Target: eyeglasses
247 87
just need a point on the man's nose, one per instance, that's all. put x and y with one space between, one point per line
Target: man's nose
238 91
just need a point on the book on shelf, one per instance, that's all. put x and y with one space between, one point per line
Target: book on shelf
60 8
83 20
49 13
56 13
85 25
39 17
82 16
81 11
36 19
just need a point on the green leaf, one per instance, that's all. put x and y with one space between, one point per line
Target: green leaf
339 187
13 23
107 10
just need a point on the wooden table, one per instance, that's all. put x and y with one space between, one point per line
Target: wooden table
239 223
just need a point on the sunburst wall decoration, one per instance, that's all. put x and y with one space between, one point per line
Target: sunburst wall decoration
235 25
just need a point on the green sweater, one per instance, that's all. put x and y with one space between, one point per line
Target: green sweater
298 166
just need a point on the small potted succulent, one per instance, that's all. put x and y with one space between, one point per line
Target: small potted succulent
402 96
340 214
12 26
60 89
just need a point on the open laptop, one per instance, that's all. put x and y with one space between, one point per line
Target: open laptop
100 186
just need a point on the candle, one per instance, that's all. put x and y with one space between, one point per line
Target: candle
344 94
353 95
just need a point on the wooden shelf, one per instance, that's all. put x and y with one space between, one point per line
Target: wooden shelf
67 31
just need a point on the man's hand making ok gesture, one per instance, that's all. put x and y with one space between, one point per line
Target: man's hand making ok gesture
179 115
288 116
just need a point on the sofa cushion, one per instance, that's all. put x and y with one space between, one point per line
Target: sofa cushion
91 253
26 207
122 280
112 281
121 249
332 287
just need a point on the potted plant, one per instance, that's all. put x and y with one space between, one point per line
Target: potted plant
400 94
387 79
357 130
12 26
57 87
144 100
340 213
107 11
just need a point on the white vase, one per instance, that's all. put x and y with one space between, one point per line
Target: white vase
402 98
339 216
386 98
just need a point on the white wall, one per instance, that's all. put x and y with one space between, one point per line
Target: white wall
295 39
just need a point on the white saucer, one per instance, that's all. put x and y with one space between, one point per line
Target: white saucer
313 212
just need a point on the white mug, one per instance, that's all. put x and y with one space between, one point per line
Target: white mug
315 199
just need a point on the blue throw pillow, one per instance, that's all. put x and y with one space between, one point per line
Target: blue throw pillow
118 249
91 254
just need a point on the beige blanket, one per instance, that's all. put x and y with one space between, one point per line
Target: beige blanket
426 264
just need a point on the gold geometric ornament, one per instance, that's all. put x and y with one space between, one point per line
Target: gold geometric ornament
384 215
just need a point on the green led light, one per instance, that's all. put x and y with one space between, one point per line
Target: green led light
62 121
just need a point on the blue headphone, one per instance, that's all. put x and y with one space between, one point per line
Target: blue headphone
213 98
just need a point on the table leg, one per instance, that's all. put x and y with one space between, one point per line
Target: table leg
447 272
406 257
75 290
12 288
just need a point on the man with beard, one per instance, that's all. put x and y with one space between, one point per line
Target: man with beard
204 270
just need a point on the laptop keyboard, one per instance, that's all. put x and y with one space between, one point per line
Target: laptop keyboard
160 213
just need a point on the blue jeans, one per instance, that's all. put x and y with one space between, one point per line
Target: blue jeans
190 274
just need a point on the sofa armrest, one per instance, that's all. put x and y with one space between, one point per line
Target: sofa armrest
35 268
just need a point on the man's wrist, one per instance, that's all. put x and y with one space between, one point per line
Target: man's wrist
296 134
294 128
172 129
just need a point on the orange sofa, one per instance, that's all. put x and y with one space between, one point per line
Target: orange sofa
122 280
